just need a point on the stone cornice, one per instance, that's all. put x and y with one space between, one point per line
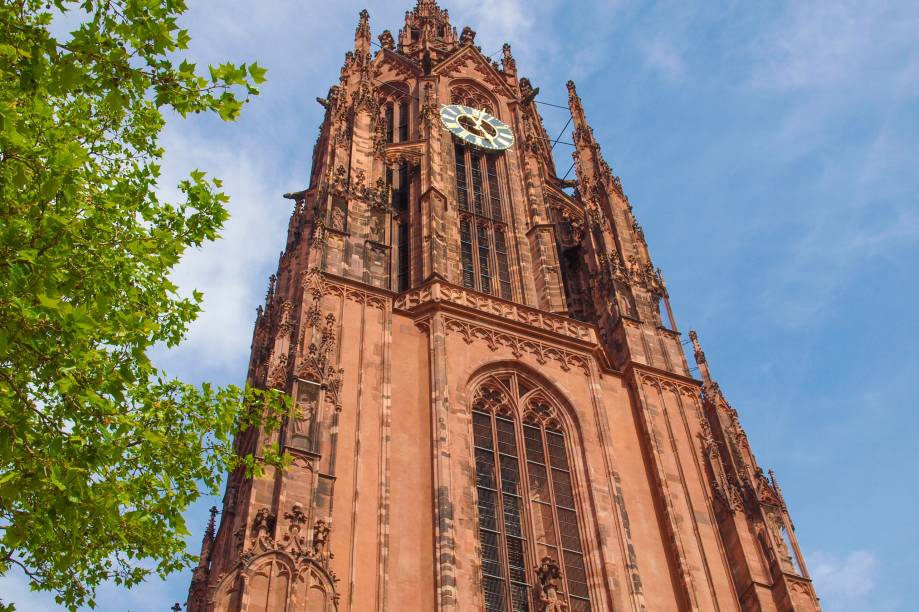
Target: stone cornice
647 373
539 226
445 294
357 291
519 344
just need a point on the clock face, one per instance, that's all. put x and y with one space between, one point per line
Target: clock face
476 127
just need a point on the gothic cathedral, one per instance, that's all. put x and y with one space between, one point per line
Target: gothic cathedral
493 408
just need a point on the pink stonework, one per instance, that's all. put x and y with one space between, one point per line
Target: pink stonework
494 409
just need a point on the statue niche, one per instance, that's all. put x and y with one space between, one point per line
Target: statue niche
303 422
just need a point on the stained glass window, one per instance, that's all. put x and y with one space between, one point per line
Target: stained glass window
462 195
504 277
484 257
478 196
403 121
403 248
466 253
390 122
526 496
401 193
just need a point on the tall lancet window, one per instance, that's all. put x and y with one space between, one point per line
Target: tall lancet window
483 231
526 501
396 117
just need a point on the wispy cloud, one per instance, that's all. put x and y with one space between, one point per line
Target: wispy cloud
662 56
815 44
845 582
230 270
833 252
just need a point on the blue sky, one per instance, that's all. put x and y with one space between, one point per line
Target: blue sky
770 151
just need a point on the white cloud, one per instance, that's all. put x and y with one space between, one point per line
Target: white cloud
494 22
232 271
838 245
845 583
840 74
835 43
818 43
14 589
662 56
151 596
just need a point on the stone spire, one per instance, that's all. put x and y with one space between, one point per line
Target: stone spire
362 34
700 358
589 163
427 36
208 540
508 64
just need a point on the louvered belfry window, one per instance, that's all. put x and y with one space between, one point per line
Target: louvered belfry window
526 501
483 232
397 121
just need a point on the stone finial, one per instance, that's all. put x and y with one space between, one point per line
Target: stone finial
386 40
362 34
509 64
467 38
211 530
527 92
575 106
775 485
699 356
363 24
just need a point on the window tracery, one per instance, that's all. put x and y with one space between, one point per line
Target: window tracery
483 231
469 95
397 128
526 501
396 112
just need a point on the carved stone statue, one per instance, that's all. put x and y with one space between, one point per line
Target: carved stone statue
386 40
338 220
304 421
321 531
468 36
263 523
550 577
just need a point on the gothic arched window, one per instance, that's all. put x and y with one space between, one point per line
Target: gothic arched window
483 231
396 114
526 500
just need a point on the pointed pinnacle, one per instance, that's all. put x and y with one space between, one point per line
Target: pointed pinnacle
700 356
211 524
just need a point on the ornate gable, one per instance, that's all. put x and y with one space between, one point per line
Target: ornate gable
400 66
471 58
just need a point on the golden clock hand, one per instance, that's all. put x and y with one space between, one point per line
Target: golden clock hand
477 118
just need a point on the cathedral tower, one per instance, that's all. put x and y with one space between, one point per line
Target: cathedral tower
493 406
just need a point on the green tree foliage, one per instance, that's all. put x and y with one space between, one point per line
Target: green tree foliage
100 452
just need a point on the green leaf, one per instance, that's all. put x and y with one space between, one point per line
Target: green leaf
48 302
257 72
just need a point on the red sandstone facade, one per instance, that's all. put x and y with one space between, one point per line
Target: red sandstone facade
494 409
